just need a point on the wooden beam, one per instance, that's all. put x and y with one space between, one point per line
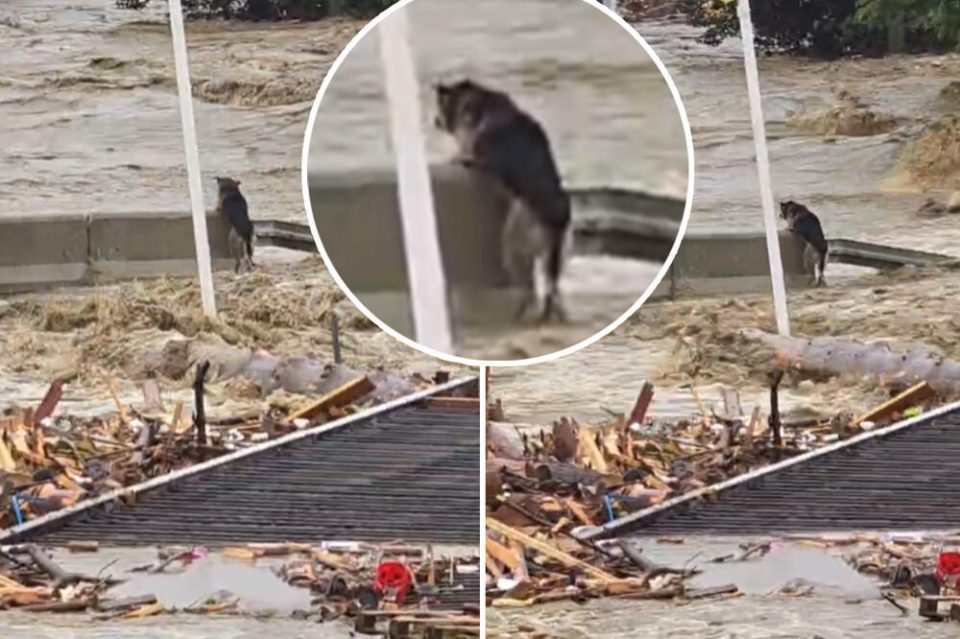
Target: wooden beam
888 410
504 555
549 551
346 394
466 404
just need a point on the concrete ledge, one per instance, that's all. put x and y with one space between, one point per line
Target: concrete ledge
358 218
730 263
39 250
55 250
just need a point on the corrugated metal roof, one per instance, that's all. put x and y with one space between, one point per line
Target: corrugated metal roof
901 478
410 472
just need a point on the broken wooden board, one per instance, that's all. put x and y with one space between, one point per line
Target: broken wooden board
548 550
346 394
890 410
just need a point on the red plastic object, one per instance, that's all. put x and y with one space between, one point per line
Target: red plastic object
393 578
948 566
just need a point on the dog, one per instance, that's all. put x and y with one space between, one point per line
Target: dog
495 136
232 205
806 224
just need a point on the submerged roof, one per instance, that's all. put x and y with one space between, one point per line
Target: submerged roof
406 471
900 478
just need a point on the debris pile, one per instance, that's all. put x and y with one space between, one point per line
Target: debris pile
546 494
933 161
368 582
31 581
907 566
849 118
49 461
549 492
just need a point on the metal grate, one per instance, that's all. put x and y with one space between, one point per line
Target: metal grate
902 478
408 469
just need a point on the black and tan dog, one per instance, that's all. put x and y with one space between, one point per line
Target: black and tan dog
806 224
232 205
495 136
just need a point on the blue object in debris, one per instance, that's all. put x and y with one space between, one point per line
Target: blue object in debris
15 502
609 504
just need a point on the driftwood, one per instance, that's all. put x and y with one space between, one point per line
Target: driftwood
112 605
566 473
60 576
839 356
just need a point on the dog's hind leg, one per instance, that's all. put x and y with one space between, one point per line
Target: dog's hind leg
520 269
518 257
552 306
236 252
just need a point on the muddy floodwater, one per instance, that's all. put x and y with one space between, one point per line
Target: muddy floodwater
837 602
266 602
868 186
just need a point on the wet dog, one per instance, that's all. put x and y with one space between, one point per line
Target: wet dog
806 224
232 205
495 136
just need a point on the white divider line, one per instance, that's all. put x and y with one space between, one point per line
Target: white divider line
185 92
428 288
763 169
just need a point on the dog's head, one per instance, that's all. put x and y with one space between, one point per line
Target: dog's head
228 184
789 209
453 101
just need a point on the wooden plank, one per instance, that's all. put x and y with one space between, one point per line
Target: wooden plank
493 567
7 464
346 394
639 412
49 402
579 511
549 551
466 404
504 555
914 395
588 449
113 387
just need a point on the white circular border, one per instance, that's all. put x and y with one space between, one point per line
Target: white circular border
540 359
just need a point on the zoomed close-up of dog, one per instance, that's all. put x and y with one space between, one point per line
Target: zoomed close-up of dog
499 184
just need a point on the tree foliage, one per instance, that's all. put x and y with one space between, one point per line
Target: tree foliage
830 28
271 9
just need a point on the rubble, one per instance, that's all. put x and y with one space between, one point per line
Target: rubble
547 493
402 584
50 461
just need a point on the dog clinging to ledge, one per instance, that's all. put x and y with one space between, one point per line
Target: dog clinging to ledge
495 136
806 224
233 206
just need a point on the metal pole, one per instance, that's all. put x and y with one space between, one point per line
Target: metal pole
428 289
184 90
763 168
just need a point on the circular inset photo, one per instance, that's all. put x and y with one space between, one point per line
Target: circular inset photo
498 182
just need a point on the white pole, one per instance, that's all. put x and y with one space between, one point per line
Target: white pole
428 290
763 168
193 159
